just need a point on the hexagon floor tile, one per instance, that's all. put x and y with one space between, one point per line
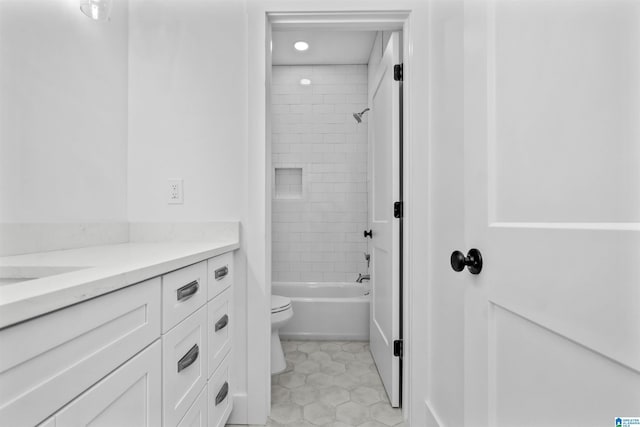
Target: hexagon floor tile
330 383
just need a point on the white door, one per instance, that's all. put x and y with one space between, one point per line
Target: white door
385 180
552 200
129 396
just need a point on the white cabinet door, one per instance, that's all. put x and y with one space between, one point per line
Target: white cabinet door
197 415
130 396
552 199
56 357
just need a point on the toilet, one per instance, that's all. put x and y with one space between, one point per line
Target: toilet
281 313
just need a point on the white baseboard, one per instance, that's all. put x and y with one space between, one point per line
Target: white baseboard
431 417
239 415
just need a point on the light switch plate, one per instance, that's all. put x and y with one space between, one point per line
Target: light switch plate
175 194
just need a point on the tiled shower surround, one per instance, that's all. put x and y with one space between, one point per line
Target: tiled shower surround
317 229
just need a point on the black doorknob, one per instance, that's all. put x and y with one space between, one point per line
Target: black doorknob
473 261
368 234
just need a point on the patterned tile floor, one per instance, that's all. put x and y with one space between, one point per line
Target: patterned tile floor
330 384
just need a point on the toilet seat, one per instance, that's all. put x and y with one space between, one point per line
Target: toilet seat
279 303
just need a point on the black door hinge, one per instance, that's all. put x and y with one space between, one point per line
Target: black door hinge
397 72
397 348
397 210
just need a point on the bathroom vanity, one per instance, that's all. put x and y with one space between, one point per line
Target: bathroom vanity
129 334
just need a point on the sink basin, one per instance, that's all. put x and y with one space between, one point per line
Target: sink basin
16 274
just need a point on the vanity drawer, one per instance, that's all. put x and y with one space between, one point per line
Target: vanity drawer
183 292
68 351
197 415
184 365
220 273
220 394
220 324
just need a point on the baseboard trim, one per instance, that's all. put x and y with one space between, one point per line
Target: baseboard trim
432 418
239 414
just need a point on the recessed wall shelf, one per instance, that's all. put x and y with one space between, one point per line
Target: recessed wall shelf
288 183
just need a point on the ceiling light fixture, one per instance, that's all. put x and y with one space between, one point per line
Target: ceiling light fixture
301 46
98 10
305 82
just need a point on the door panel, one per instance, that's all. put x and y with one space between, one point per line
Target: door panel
530 357
552 199
385 175
566 93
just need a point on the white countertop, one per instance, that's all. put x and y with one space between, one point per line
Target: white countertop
71 276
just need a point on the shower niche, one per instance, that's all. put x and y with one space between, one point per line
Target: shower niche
288 183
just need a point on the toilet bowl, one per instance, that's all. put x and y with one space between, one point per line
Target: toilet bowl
281 313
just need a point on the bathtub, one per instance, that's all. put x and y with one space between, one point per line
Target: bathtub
326 311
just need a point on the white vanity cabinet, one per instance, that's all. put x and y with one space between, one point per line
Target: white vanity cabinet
48 361
155 353
197 415
130 396
198 340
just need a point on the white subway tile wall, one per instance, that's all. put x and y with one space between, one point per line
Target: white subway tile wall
318 236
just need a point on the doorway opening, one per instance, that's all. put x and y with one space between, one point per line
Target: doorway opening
334 115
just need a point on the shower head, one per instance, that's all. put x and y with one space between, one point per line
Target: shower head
358 116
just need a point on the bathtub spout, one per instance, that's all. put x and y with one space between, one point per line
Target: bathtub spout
362 277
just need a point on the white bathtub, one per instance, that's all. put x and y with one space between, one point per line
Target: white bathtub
326 311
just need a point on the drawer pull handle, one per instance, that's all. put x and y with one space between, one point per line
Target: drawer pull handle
221 272
188 290
188 359
222 323
222 394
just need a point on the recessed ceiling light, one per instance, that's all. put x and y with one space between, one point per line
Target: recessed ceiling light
301 45
305 82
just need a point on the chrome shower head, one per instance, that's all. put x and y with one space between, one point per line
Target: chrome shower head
358 116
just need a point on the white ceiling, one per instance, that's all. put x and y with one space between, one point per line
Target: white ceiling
325 47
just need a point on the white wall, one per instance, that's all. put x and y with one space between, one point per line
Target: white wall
63 113
317 236
187 109
188 119
446 288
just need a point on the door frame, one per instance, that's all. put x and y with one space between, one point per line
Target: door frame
393 20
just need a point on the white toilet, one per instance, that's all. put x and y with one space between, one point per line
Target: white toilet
281 313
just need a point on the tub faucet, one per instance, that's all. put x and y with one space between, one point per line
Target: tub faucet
362 277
